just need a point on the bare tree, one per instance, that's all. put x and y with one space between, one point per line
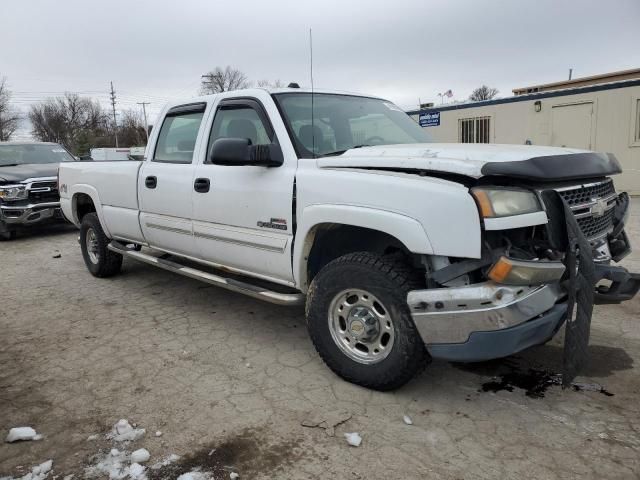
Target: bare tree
74 121
9 117
223 80
483 93
268 83
131 131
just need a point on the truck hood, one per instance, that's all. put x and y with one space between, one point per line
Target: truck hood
29 170
479 160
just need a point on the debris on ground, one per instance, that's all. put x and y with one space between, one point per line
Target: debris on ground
122 431
234 475
57 255
22 434
591 387
39 472
140 456
158 433
407 419
354 439
92 438
327 421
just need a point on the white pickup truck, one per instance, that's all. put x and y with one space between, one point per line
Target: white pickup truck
402 250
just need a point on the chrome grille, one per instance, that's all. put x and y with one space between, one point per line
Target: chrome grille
592 205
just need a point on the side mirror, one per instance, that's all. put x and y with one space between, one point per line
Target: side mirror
239 151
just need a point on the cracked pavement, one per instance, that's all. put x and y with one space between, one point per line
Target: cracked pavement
211 368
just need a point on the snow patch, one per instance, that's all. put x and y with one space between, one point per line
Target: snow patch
354 439
173 458
39 472
22 433
140 456
195 475
122 431
136 472
234 475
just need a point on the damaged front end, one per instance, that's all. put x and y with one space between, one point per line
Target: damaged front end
531 279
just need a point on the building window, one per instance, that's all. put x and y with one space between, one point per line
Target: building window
474 130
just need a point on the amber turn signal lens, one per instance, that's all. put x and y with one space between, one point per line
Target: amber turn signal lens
484 203
500 270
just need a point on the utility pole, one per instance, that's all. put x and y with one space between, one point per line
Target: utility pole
570 73
113 104
144 111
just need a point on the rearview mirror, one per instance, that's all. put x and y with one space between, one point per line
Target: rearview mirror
239 151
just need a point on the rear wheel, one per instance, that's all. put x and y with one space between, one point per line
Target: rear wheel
100 261
360 323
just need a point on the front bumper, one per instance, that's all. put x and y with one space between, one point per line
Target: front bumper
25 215
488 320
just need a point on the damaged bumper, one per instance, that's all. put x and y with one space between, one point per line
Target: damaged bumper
493 320
486 321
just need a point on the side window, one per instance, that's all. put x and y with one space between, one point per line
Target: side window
177 138
240 121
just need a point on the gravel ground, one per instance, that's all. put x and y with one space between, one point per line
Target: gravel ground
229 381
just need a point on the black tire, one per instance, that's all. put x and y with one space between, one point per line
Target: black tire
103 262
387 278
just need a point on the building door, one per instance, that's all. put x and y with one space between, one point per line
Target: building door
571 125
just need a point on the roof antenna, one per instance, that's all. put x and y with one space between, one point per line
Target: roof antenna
313 130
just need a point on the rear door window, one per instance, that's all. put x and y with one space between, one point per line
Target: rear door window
177 138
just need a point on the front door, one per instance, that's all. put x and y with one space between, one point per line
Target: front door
165 182
244 220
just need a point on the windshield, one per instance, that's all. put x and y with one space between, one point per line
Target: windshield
21 154
341 122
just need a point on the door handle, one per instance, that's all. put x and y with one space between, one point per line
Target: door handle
201 185
151 182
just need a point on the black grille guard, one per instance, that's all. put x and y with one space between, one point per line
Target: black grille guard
581 279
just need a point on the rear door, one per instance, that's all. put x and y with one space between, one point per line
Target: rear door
165 182
245 219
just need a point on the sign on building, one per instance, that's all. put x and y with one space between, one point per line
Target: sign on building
431 119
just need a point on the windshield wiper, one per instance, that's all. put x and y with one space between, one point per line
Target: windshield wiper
9 164
340 152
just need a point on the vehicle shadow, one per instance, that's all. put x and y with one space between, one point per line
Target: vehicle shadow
50 230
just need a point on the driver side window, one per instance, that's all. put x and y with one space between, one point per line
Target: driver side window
239 121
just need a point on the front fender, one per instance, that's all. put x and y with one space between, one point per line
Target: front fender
406 229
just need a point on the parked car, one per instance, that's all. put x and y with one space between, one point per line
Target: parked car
401 249
28 185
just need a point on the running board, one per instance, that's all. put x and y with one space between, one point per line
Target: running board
228 283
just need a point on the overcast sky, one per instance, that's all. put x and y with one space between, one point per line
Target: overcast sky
155 50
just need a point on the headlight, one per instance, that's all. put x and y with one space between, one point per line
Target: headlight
503 202
13 192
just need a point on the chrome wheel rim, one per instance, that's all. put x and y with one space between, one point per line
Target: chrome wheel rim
361 326
91 242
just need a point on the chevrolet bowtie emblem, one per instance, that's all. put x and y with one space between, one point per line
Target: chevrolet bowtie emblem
599 208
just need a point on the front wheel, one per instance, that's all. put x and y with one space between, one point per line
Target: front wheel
100 261
360 323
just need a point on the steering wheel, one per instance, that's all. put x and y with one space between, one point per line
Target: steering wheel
375 140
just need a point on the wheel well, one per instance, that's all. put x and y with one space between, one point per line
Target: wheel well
334 240
83 205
